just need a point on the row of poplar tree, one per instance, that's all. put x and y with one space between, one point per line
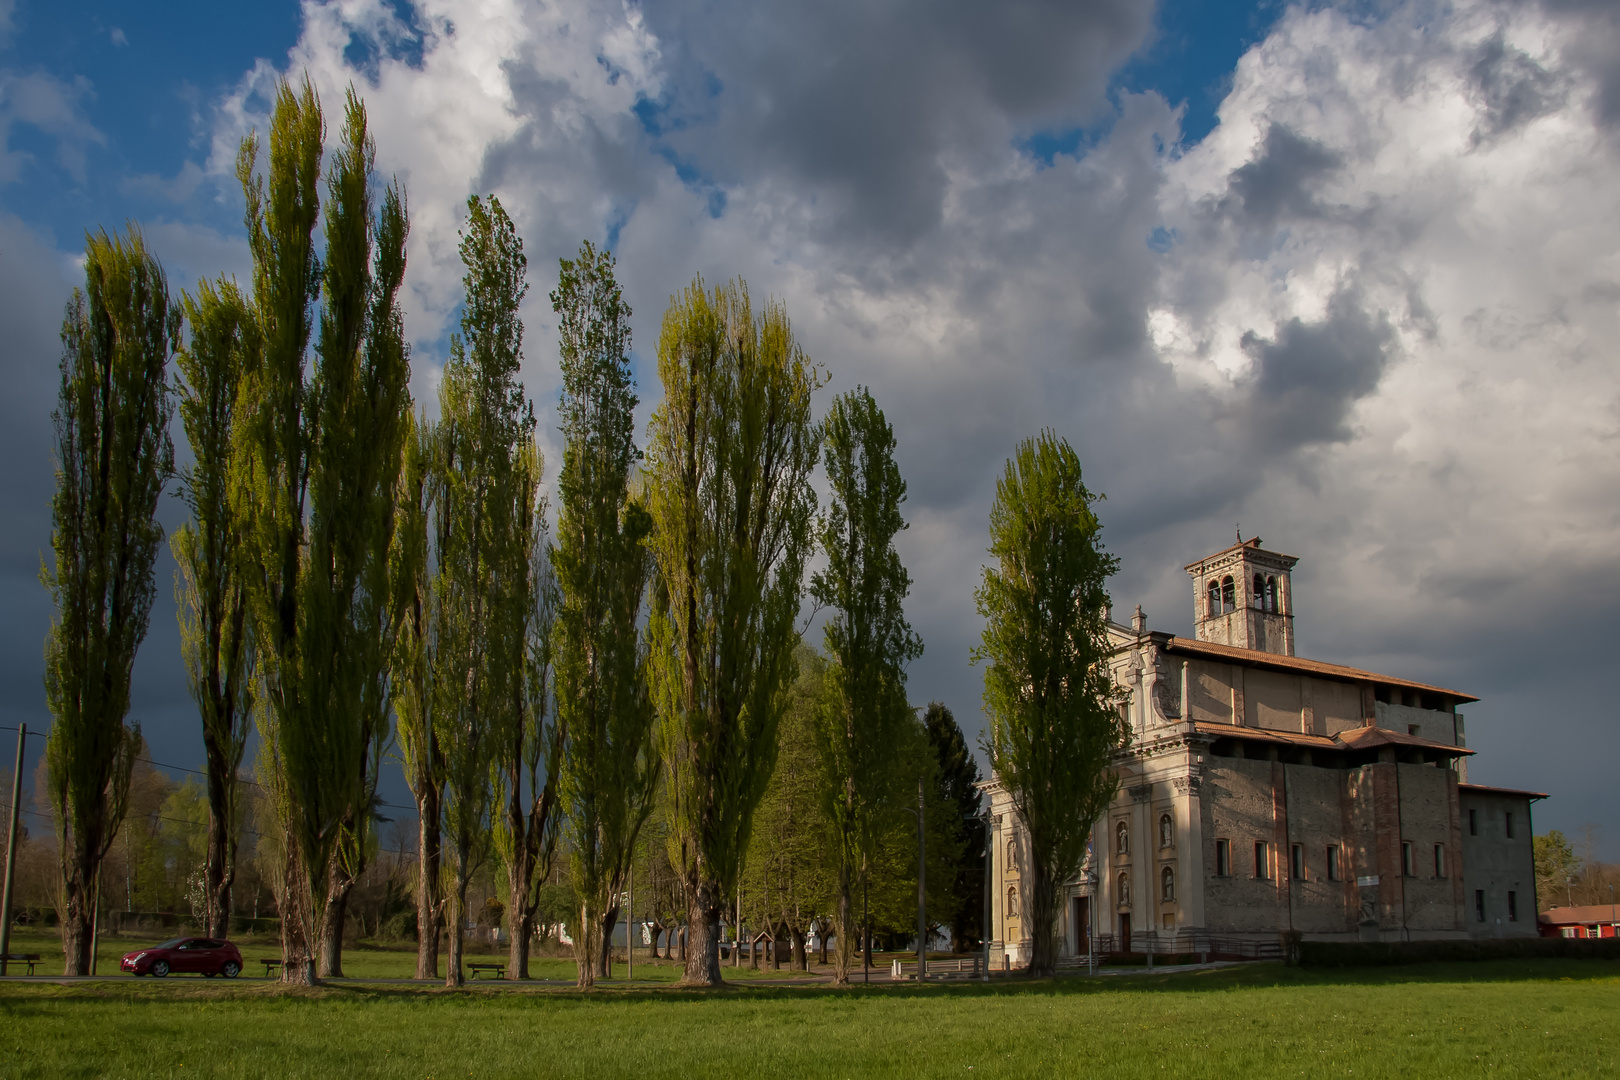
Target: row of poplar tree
355 576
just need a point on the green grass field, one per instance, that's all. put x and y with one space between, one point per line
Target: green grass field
1513 1019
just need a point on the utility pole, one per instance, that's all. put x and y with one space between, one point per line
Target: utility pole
866 934
11 849
922 894
630 924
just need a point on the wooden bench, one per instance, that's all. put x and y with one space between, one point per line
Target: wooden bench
271 964
498 969
22 958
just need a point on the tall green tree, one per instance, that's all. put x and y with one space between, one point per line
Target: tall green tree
488 522
214 632
113 456
789 880
867 637
529 741
414 664
320 454
1054 727
731 451
602 566
958 787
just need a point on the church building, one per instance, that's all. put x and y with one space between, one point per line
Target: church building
1263 793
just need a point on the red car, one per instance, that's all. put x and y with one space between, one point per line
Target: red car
206 956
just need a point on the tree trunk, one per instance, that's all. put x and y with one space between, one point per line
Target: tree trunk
429 905
604 959
703 947
297 954
680 947
340 884
584 940
801 957
458 914
219 866
655 929
519 915
1043 926
842 926
76 932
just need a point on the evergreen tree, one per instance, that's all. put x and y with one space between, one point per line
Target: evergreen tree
602 567
1053 725
867 637
731 451
113 456
959 790
214 639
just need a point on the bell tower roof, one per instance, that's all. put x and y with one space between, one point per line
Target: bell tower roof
1243 596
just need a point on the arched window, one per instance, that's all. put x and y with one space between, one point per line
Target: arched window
1122 838
1167 831
1228 594
1167 884
1124 887
1259 599
1012 855
1012 902
1214 598
1273 601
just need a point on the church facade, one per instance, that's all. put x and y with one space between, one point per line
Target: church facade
1263 793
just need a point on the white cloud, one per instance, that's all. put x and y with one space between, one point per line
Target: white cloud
1381 334
51 106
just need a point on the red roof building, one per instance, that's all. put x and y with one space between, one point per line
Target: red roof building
1581 921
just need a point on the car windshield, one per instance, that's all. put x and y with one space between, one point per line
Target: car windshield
171 943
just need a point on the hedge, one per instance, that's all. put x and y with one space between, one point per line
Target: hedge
1379 953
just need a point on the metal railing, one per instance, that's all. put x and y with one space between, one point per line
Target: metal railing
1205 946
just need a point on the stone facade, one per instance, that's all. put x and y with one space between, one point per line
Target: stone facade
1263 793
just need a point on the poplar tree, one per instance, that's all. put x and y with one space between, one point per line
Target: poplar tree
867 638
318 472
113 456
731 451
212 603
1054 727
488 475
414 664
610 766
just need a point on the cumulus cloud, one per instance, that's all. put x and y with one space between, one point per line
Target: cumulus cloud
1369 315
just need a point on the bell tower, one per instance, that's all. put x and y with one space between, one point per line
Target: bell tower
1243 596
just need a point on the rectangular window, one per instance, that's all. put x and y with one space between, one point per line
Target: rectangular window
1413 729
1296 862
1262 861
1513 906
1510 825
1406 859
1439 860
1479 905
1223 858
1333 862
1473 823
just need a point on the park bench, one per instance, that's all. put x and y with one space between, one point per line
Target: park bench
271 964
498 969
954 968
22 958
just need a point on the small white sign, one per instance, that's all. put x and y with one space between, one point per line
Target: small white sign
1364 881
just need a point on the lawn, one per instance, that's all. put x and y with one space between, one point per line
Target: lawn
1518 1018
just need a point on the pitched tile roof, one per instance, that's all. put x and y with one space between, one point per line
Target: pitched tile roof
1231 654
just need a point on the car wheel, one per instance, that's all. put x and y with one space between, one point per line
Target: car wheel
160 968
231 969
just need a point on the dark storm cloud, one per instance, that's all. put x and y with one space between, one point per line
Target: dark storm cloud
1512 89
1308 376
1279 184
1598 50
865 106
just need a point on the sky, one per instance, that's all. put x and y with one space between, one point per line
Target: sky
1342 275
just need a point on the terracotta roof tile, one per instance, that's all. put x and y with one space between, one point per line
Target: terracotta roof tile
1504 791
1581 913
1255 658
